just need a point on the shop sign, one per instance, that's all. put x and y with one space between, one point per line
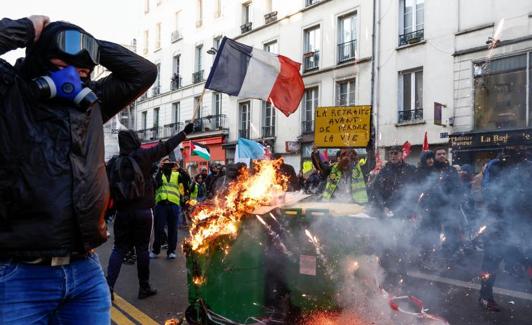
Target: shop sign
292 146
491 139
342 126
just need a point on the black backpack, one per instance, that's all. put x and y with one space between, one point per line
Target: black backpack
125 179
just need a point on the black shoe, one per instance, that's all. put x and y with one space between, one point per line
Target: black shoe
146 292
489 304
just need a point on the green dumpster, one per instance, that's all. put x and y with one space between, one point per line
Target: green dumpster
231 280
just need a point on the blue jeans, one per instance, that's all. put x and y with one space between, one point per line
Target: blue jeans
70 294
165 215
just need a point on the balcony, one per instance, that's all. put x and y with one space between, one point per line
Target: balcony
172 129
175 82
210 123
175 36
270 17
197 77
143 96
311 60
410 116
307 126
346 51
243 134
150 134
246 27
268 131
156 90
412 37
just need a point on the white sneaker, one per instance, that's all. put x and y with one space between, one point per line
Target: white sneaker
153 255
171 256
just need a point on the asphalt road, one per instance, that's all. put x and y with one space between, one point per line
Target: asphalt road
451 293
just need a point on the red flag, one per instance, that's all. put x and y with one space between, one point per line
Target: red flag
407 147
426 143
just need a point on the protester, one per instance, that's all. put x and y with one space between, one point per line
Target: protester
507 193
53 189
198 191
167 208
289 172
133 191
391 186
212 178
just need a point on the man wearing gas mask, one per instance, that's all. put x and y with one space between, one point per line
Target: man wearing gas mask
53 184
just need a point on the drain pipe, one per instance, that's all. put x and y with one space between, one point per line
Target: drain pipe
374 77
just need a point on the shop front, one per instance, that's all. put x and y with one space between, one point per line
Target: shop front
194 163
477 148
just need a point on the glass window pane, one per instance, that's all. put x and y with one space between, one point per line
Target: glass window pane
419 15
419 90
406 91
351 94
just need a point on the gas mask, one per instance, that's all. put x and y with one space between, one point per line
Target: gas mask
65 84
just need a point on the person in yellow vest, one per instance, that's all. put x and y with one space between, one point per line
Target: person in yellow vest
345 179
167 207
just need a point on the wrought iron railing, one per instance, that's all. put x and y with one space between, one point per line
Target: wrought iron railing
171 129
175 36
307 126
268 131
412 115
210 123
243 134
246 27
175 82
346 51
412 37
311 60
270 17
197 77
150 134
311 2
156 90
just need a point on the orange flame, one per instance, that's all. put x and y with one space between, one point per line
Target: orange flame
228 208
330 318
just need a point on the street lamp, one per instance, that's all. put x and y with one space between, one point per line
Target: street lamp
212 51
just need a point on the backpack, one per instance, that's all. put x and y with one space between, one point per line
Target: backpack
125 179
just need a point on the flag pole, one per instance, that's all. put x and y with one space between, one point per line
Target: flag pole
198 107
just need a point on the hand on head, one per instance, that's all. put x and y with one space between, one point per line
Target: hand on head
39 22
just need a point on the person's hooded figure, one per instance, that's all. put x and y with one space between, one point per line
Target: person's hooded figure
128 141
425 166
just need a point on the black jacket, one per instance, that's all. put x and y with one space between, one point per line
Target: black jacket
392 185
145 157
53 183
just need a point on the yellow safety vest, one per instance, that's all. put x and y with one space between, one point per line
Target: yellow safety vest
358 184
169 190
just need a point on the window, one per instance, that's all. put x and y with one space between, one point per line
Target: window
411 21
244 120
217 8
310 102
176 77
500 88
217 110
158 36
156 117
347 37
176 20
176 112
144 120
146 40
345 92
268 6
410 96
146 6
311 2
159 2
246 13
199 13
312 39
216 42
268 120
197 106
271 47
198 58
157 84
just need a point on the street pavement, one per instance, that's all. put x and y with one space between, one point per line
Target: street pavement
451 293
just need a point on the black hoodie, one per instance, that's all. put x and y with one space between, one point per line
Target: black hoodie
129 144
53 183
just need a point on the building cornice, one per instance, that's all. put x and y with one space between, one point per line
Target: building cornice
336 67
474 29
486 47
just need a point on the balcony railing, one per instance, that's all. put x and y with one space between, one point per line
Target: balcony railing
197 77
210 123
268 131
270 17
243 134
311 60
144 96
246 27
346 51
176 36
412 37
307 126
412 115
175 82
171 129
150 134
156 90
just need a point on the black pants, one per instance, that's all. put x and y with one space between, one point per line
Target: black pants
131 229
165 214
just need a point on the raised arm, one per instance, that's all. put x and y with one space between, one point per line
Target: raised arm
19 33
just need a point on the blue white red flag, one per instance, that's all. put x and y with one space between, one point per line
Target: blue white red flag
246 72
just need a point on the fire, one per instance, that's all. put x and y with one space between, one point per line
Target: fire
329 318
223 217
198 280
481 230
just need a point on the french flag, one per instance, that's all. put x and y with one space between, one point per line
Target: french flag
246 72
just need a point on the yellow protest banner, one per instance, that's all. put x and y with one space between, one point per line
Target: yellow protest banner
342 126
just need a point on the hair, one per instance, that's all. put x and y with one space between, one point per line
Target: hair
440 148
